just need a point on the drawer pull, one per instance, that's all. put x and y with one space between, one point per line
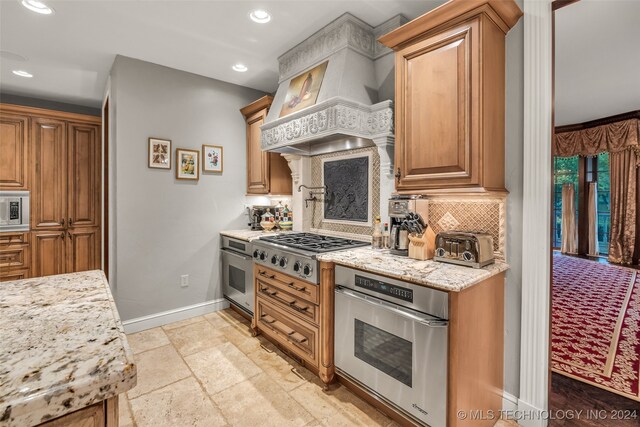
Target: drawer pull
275 295
295 307
292 286
273 277
297 340
267 319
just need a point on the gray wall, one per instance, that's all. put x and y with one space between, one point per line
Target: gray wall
514 134
166 228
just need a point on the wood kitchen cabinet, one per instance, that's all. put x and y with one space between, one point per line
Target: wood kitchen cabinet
450 97
267 173
57 157
14 143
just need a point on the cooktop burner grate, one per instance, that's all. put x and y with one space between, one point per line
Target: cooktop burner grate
313 242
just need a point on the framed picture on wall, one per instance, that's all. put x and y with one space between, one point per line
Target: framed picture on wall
159 153
211 158
187 164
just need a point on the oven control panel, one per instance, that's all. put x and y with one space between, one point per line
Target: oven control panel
384 288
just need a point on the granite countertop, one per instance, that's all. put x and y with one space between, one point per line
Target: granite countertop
447 277
250 235
62 348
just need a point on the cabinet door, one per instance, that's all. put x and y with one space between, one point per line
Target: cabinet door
48 251
437 123
257 160
83 249
83 168
49 179
14 149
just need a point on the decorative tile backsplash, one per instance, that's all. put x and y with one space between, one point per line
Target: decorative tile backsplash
315 209
487 215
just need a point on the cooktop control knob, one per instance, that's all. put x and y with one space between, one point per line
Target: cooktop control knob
468 256
440 252
275 259
283 262
256 254
297 267
263 255
306 270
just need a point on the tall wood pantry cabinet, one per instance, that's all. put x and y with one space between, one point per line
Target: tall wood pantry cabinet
267 173
57 157
450 97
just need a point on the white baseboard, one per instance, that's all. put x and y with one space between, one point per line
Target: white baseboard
530 415
509 402
165 317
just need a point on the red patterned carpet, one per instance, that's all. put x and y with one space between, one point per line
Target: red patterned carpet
595 325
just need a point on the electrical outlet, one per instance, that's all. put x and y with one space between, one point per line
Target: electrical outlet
184 280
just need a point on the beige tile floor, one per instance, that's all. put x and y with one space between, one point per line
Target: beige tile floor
208 371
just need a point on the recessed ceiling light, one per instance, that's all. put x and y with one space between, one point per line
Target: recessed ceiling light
37 6
260 16
241 68
22 73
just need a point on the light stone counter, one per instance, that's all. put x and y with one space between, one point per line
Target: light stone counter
250 235
62 347
448 277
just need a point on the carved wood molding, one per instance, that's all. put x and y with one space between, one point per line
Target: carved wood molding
327 368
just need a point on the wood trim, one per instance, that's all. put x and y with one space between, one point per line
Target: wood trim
111 412
506 14
599 122
476 351
53 114
254 107
558 4
105 189
326 367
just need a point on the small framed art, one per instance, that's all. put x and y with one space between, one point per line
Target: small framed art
159 153
187 164
212 158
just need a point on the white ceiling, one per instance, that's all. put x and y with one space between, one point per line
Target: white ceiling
71 52
597 60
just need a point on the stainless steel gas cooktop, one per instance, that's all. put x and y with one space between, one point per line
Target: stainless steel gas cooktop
295 253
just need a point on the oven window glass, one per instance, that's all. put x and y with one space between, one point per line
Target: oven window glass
384 351
236 278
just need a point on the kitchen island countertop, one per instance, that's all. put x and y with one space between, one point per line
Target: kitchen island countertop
63 347
439 275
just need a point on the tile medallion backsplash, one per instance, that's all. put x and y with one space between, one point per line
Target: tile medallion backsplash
316 209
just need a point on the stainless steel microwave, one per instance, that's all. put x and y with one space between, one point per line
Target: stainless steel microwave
14 211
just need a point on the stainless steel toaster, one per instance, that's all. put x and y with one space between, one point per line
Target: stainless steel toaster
466 248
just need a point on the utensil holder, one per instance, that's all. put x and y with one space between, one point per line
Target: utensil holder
423 246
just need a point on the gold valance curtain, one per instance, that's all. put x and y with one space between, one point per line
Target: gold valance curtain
612 137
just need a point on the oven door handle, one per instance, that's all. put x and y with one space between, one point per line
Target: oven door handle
230 252
431 322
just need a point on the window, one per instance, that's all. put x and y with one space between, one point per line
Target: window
598 170
565 170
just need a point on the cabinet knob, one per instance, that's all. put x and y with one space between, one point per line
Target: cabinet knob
62 222
70 222
398 175
62 235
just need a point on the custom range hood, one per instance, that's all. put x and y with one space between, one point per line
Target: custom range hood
353 108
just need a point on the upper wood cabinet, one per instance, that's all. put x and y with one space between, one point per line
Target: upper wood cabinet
450 89
267 173
14 153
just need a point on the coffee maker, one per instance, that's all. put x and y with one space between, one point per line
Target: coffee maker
255 215
399 207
